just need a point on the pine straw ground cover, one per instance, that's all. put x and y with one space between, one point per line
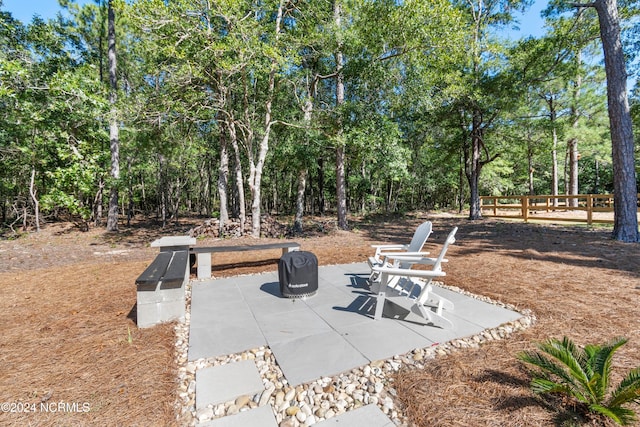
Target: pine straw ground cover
69 333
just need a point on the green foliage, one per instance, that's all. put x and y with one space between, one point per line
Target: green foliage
194 76
584 374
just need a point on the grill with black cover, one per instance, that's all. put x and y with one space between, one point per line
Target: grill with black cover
298 274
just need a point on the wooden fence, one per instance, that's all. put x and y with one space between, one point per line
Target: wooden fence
589 208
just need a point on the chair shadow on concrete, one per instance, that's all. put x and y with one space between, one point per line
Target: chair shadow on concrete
364 305
358 281
365 302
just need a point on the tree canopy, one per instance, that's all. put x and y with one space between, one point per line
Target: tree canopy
236 109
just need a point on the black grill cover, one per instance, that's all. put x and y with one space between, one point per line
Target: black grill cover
298 274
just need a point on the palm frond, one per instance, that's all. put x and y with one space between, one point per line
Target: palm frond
601 363
618 414
584 374
542 386
548 367
569 355
627 391
595 390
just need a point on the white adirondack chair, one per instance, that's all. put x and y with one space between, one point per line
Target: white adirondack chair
411 289
385 254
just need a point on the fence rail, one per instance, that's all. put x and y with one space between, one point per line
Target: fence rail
589 208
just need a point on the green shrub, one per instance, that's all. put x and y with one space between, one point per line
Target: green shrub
584 374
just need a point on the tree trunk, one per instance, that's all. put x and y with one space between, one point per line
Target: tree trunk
223 181
531 170
341 186
554 166
363 201
130 205
162 190
461 176
112 218
625 227
97 202
256 182
34 198
321 200
303 172
302 182
554 150
242 214
474 166
572 148
572 144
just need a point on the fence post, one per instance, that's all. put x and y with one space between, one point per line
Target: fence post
525 208
589 209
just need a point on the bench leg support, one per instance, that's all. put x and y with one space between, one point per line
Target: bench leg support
293 249
159 306
204 265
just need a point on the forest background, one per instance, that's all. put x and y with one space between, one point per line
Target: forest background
237 108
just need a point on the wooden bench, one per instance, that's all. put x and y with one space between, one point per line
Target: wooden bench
166 271
204 253
161 287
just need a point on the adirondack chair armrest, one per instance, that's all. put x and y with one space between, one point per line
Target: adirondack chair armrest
381 248
412 260
403 272
404 255
398 246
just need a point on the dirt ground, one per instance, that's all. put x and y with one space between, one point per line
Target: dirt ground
71 353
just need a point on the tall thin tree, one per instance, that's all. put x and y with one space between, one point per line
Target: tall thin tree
114 139
341 186
625 192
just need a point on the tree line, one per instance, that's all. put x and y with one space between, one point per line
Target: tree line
236 108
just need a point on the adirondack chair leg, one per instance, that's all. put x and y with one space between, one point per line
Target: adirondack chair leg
380 299
375 287
434 318
396 284
439 308
430 298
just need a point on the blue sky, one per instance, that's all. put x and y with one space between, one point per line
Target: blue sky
23 10
530 23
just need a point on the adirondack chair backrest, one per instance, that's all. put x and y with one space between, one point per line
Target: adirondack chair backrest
420 236
451 238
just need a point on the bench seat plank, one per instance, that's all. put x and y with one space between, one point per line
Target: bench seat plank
149 279
243 248
175 274
203 253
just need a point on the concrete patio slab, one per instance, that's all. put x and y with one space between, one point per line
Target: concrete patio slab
219 384
271 305
384 340
262 416
323 335
291 324
224 323
483 314
309 357
342 317
461 328
364 416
